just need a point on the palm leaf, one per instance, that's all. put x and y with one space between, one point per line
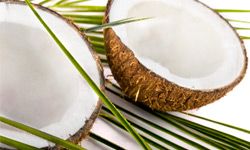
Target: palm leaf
217 122
232 10
105 141
16 144
38 133
91 83
208 135
115 23
76 13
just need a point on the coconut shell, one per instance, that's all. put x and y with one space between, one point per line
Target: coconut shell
146 87
87 125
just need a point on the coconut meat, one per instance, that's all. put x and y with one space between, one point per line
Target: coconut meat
38 85
184 42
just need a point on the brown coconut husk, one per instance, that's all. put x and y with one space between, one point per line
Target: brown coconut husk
146 87
82 133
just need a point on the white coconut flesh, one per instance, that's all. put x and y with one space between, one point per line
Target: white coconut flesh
38 85
184 42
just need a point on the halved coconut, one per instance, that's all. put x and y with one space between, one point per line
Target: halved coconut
185 57
38 84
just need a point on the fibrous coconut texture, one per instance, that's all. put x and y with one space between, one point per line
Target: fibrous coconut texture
38 84
184 57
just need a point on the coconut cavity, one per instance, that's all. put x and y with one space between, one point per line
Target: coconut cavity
184 57
38 85
184 42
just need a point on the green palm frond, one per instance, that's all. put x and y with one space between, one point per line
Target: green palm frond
156 126
83 15
91 83
207 135
217 122
106 114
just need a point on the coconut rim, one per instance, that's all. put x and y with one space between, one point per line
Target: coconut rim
231 84
84 131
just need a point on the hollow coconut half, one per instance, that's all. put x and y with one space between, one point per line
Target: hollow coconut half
184 57
38 84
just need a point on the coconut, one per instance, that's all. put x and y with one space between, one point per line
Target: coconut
38 84
184 57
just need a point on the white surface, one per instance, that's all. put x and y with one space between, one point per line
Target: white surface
38 84
232 109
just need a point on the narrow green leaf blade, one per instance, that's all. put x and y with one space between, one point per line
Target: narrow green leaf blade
105 141
44 2
232 10
100 17
245 37
59 2
241 28
16 144
233 140
103 97
115 23
40 134
240 21
72 3
220 123
79 8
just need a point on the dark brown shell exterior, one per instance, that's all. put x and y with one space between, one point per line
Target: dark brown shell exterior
144 86
87 125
